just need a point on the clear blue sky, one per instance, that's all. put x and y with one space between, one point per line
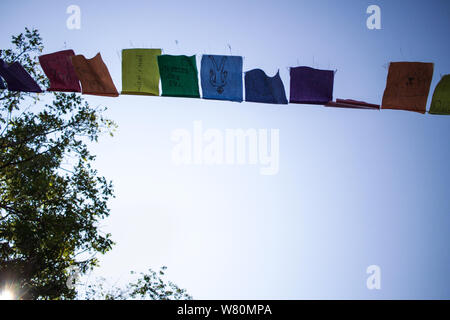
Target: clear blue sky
354 187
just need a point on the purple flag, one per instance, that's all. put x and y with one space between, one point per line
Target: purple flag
17 78
59 70
311 86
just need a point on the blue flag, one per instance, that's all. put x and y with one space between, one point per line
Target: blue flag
221 77
261 88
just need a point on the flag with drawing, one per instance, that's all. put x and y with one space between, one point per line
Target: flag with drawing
221 77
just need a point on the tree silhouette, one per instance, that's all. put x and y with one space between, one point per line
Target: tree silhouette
51 198
149 286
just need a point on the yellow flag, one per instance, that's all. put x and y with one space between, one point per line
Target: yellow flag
441 97
140 73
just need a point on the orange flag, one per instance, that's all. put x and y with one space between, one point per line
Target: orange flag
408 85
94 76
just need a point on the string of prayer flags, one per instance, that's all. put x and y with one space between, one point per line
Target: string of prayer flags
261 88
311 86
94 76
440 104
17 78
140 73
353 104
59 70
221 77
179 76
408 85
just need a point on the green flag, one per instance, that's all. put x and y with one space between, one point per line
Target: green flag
140 73
179 76
441 97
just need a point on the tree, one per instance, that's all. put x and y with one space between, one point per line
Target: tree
149 286
51 198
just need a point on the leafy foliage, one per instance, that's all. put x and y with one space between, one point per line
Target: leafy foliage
149 286
51 198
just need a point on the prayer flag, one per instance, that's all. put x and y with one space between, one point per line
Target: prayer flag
408 85
94 76
179 76
311 86
140 73
17 78
221 77
261 88
354 104
440 104
59 70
